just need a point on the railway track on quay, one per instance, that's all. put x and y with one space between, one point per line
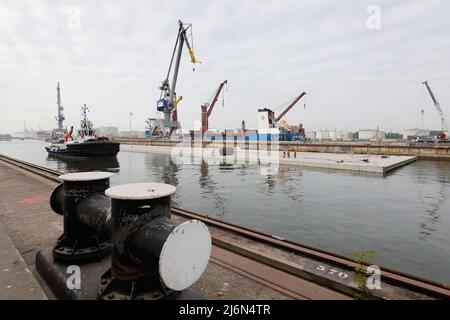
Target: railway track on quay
293 269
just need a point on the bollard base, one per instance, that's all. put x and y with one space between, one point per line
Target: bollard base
67 252
61 278
113 289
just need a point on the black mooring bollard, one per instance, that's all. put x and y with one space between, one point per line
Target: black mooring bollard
152 258
87 211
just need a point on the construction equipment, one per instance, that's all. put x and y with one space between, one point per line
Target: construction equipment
289 107
267 120
285 125
444 137
59 132
207 108
168 100
60 118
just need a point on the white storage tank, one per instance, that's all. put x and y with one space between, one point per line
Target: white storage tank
323 135
340 135
415 132
371 135
310 135
346 135
334 135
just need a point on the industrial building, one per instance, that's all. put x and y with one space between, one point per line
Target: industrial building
132 134
310 135
416 132
322 135
108 131
370 134
340 135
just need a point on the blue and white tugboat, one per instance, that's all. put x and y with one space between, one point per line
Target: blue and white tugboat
86 143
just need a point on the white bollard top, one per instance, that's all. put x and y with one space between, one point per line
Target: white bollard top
86 176
140 191
185 255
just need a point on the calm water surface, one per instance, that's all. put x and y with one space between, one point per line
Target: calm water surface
404 217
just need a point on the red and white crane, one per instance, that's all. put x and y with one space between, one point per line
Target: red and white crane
445 135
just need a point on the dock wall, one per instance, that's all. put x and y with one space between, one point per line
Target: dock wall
421 151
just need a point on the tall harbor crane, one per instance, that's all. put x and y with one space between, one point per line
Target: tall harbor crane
445 135
59 132
168 99
60 118
207 108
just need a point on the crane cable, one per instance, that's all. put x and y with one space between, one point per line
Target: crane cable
283 105
223 94
171 62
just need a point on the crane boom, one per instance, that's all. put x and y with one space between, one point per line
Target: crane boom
206 112
289 107
182 39
431 93
213 102
439 110
168 100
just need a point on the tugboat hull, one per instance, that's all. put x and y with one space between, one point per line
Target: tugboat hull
86 149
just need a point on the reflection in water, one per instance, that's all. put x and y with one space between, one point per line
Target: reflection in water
164 170
79 164
432 204
210 187
291 187
268 185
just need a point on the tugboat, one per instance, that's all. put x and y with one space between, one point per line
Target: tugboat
86 144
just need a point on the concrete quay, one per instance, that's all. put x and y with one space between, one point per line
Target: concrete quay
420 150
374 164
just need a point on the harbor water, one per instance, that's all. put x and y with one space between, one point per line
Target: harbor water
404 216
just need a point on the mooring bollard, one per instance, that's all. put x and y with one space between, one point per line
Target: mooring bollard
152 258
87 211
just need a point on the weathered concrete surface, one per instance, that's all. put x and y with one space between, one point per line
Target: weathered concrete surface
16 280
25 212
349 162
32 226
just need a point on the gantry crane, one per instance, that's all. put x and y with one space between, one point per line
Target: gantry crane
168 99
445 135
207 108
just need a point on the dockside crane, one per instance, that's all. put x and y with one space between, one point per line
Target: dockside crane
60 118
168 100
289 107
282 124
207 108
445 136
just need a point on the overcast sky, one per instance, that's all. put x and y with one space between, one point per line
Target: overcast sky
270 51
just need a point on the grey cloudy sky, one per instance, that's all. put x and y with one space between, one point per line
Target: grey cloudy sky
270 51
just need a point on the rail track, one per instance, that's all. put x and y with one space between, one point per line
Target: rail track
226 253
